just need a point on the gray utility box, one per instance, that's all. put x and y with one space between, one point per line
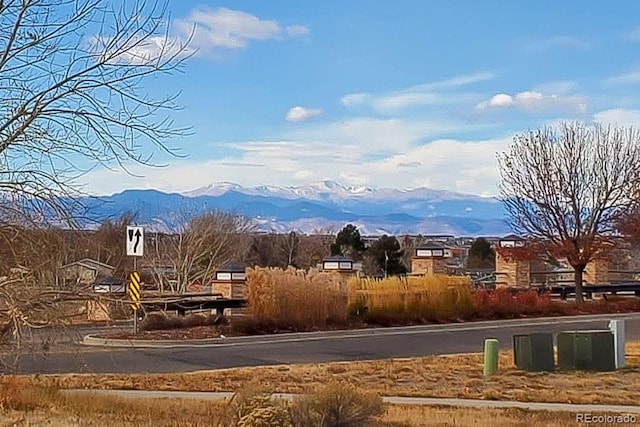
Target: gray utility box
534 352
586 350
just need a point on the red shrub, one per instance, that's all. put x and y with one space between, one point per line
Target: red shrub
504 303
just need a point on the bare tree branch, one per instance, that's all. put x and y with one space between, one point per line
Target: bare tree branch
73 97
569 187
203 244
72 74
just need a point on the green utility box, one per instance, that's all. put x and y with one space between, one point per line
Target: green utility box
534 352
586 350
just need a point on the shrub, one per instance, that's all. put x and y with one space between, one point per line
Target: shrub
337 405
267 416
161 321
504 303
253 406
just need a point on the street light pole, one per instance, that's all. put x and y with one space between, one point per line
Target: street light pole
386 260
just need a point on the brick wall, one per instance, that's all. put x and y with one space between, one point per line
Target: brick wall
512 273
231 289
428 266
597 272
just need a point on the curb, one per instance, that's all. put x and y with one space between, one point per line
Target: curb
91 340
398 400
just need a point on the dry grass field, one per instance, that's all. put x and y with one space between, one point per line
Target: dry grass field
35 400
455 376
47 408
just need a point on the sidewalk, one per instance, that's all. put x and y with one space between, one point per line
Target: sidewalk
426 401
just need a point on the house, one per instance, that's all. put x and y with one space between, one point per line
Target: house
86 271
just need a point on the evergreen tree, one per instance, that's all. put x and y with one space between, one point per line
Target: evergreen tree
348 243
481 254
384 256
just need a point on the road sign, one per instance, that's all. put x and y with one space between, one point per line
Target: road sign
134 290
135 241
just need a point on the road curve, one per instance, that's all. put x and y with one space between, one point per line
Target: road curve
309 348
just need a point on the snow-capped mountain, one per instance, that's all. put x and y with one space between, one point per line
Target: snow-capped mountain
330 190
321 206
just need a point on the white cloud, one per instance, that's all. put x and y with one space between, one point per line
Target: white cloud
631 77
374 135
226 28
297 30
633 35
499 100
355 99
536 102
619 117
362 151
557 42
434 93
560 87
465 166
139 51
300 114
207 32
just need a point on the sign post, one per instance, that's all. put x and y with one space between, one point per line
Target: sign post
135 249
134 294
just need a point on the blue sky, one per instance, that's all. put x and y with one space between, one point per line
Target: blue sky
397 94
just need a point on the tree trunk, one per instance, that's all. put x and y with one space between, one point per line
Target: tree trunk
577 278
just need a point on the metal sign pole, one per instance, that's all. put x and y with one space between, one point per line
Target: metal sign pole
135 313
135 321
135 248
135 310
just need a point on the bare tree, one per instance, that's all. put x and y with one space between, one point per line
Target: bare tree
409 244
567 188
72 76
289 246
262 251
205 243
315 247
109 241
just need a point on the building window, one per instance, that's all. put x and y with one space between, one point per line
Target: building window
223 276
424 252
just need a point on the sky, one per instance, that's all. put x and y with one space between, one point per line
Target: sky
401 94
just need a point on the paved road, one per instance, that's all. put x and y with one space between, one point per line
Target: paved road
60 335
302 348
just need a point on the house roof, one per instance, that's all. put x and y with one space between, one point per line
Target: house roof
513 237
110 280
432 245
233 267
337 258
89 263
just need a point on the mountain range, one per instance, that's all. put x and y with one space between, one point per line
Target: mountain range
310 208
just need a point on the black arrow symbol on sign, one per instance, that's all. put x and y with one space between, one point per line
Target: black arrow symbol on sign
138 235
